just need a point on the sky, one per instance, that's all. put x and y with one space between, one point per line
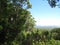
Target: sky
44 14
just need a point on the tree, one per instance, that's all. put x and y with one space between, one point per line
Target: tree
53 3
30 23
55 33
13 15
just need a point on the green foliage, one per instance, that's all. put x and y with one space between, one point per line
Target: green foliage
37 37
13 16
1 27
17 26
55 33
54 3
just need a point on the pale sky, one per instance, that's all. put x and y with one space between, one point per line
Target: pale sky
48 22
44 14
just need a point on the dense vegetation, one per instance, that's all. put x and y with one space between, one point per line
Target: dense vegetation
17 26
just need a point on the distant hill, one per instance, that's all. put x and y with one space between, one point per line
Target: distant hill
46 27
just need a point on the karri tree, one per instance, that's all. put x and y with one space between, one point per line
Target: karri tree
13 16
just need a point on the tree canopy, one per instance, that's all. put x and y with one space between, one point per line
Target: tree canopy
53 3
13 19
17 25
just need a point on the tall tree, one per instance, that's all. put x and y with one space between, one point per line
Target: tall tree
13 15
